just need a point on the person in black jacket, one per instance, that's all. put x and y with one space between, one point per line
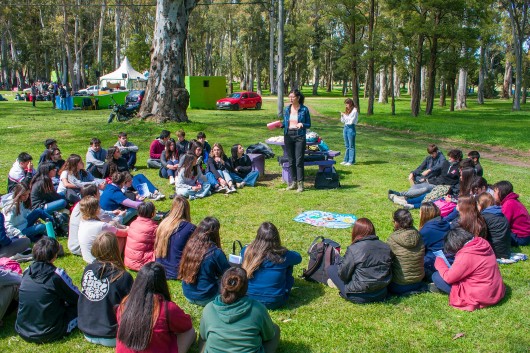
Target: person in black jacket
499 233
242 166
363 274
47 309
43 194
430 167
104 285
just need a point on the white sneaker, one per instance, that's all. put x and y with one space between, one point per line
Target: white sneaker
231 190
343 163
400 200
171 180
347 164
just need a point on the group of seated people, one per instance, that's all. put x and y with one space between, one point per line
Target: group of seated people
456 253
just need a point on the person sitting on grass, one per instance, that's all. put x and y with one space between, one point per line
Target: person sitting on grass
47 309
20 220
95 158
203 263
269 267
475 157
43 194
170 161
242 165
128 150
191 183
408 251
73 176
90 226
206 148
365 271
469 217
433 229
10 246
113 198
234 322
21 171
103 286
182 144
156 149
474 280
116 163
148 321
219 170
49 144
499 234
141 234
516 213
172 235
430 167
10 278
115 216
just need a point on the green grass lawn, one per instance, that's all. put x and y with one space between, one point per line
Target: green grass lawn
316 319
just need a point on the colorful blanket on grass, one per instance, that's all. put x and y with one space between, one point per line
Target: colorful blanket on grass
326 219
514 257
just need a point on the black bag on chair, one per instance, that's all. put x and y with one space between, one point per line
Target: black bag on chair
327 180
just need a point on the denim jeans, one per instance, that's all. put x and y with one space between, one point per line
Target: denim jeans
416 201
166 173
418 190
55 205
203 192
250 179
211 179
519 241
141 179
131 160
35 231
107 342
349 142
404 289
440 283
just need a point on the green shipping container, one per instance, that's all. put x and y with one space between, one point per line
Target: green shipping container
205 91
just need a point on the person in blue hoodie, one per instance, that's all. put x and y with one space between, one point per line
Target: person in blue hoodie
433 229
499 233
269 267
203 263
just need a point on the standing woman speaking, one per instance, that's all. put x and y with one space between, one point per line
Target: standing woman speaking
349 118
296 120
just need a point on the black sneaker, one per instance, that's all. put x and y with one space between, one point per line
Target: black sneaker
393 192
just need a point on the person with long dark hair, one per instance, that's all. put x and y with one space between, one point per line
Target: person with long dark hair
148 320
363 274
470 218
349 118
190 182
43 194
499 234
516 213
433 229
103 286
407 255
203 263
269 267
172 235
296 121
170 161
243 174
220 170
73 176
474 280
234 322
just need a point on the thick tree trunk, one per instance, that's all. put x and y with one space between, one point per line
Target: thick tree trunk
100 37
423 84
272 28
166 96
76 80
507 83
383 95
461 95
481 75
117 32
397 84
431 73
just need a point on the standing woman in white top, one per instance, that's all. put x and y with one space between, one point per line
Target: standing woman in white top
349 118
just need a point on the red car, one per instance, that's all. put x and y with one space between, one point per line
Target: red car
240 100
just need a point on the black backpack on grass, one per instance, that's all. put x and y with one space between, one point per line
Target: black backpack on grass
322 253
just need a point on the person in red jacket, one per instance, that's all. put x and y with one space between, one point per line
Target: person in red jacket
474 280
149 321
515 212
140 246
156 149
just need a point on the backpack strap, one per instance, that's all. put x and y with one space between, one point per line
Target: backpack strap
236 242
314 267
329 256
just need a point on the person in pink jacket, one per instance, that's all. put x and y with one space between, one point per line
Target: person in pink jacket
514 211
474 280
140 247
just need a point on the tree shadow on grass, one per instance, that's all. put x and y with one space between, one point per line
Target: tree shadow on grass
371 162
303 293
292 347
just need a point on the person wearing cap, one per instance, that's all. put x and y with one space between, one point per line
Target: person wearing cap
156 149
49 144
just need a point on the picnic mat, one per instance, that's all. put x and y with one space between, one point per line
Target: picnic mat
326 219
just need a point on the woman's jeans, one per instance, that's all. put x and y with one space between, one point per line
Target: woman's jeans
404 289
141 179
440 283
295 146
203 192
250 179
131 161
418 190
166 173
349 142
35 231
224 174
107 342
416 201
55 205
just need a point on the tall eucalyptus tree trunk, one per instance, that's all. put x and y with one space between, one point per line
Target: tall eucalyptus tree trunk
100 37
272 28
117 32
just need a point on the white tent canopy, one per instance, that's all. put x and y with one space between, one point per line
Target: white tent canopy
125 76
